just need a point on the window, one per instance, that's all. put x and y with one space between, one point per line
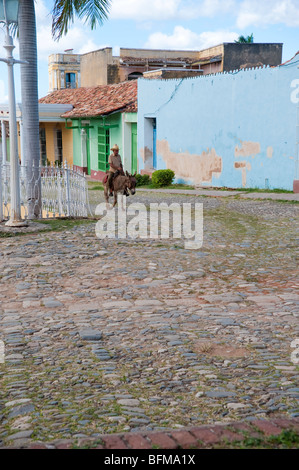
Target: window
70 80
103 149
43 146
58 150
134 75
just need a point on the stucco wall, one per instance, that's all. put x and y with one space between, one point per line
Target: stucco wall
94 67
236 55
235 130
67 141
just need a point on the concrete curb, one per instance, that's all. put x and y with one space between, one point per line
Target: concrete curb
219 193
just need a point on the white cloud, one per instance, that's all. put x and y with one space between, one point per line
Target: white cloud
212 8
143 10
42 13
213 38
183 38
267 12
246 12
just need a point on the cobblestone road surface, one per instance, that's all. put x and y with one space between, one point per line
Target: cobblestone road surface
119 336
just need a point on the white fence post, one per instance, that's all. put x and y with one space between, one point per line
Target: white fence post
68 197
1 201
59 185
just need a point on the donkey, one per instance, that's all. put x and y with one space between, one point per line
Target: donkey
121 183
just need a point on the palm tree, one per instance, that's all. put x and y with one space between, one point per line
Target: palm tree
30 115
64 11
245 40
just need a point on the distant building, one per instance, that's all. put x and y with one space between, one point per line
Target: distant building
93 119
234 56
64 70
56 141
101 67
235 130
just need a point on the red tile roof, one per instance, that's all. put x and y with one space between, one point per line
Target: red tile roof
96 101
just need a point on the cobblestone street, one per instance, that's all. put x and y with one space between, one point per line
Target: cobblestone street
127 336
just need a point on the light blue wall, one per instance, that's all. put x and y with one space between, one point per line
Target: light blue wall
202 122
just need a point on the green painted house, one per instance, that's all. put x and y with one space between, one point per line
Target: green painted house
101 117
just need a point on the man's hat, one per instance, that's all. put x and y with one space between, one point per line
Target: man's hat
115 147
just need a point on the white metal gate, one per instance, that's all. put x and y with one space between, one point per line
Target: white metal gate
64 191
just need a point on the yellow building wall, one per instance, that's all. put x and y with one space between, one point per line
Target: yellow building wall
94 67
67 142
51 127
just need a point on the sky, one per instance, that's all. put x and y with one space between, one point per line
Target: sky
163 24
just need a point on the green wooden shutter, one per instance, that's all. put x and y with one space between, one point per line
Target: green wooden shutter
103 149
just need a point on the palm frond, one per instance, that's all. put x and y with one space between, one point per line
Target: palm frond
245 40
14 30
94 11
63 13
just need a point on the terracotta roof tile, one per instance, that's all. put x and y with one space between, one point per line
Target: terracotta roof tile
96 101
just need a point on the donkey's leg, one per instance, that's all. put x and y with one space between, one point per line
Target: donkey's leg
115 199
106 193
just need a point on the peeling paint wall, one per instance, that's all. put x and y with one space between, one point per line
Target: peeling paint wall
202 167
231 129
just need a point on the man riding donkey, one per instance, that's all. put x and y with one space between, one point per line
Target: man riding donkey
116 168
117 180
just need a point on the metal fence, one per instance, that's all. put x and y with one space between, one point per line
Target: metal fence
64 191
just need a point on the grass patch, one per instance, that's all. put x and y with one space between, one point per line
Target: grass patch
224 188
171 186
8 235
95 185
285 201
55 225
286 440
89 445
51 225
64 222
255 190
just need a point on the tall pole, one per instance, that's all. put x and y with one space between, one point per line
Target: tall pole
23 161
15 209
15 219
4 150
1 202
297 143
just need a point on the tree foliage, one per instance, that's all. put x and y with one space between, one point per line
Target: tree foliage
93 11
245 40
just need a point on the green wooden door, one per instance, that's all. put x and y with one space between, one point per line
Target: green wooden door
134 148
103 149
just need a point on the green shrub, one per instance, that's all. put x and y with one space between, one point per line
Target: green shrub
162 177
142 180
